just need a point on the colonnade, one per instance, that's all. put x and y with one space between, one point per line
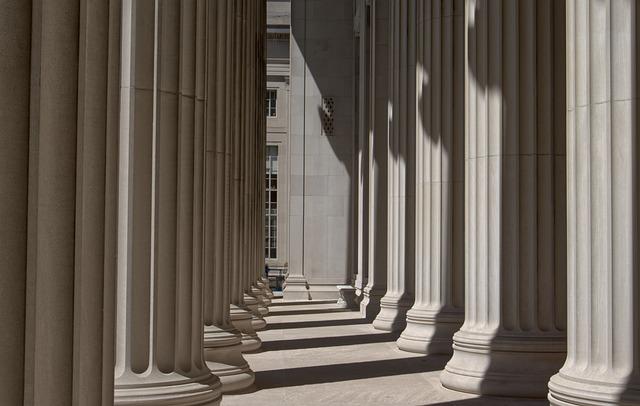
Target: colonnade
509 230
132 166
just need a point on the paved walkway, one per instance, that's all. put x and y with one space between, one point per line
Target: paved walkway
317 354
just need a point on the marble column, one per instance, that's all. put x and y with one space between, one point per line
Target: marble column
56 132
377 158
513 336
438 310
222 342
401 167
603 327
159 329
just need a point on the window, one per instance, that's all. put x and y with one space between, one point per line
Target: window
271 204
272 99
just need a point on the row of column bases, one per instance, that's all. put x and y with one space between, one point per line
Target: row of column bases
498 201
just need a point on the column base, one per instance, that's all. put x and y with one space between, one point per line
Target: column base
393 312
263 301
513 366
263 292
223 354
253 305
296 288
430 331
575 388
242 320
370 304
267 290
159 389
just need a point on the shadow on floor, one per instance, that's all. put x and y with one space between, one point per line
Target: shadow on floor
318 323
492 401
328 341
302 303
282 378
308 311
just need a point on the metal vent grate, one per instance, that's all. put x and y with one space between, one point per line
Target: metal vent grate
328 109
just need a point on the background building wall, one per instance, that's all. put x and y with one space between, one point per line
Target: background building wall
322 236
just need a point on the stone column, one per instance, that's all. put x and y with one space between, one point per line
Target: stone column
401 167
513 336
438 311
603 346
377 158
251 292
159 356
256 173
241 316
15 74
56 130
222 342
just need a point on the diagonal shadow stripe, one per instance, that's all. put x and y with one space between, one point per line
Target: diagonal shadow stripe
317 323
309 311
321 342
303 303
282 378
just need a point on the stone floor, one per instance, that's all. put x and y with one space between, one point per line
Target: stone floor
314 353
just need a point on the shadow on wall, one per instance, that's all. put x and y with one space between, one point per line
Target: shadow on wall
327 44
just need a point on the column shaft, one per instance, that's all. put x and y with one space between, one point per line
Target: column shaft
377 158
223 351
439 293
513 336
401 167
603 346
159 346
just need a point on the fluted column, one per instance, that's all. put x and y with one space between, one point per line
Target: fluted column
401 167
438 310
603 327
56 136
241 316
513 336
251 292
159 356
222 342
377 159
255 116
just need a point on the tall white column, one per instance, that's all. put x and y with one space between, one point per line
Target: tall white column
401 167
603 346
438 310
377 158
222 342
159 355
513 336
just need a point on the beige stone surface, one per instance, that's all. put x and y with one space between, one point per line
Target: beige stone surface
315 353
